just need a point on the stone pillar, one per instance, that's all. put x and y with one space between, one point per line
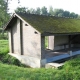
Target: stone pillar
51 42
43 54
43 62
42 47
21 37
10 46
11 41
70 53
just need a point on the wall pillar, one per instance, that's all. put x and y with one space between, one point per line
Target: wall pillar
43 62
69 41
21 37
43 54
11 41
42 47
10 47
51 42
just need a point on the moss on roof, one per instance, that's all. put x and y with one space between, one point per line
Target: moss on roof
52 24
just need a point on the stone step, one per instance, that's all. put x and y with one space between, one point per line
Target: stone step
53 65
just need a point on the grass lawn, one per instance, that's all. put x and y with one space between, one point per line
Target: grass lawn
10 72
70 71
4 46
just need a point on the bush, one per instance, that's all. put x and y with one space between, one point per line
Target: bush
73 64
12 60
3 36
5 57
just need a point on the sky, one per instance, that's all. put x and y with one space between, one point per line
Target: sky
69 5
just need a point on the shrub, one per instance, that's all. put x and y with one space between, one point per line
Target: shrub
3 36
5 57
73 63
11 60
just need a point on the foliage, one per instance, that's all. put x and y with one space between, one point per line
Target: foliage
73 64
45 11
12 61
4 16
51 12
32 11
38 11
3 36
73 15
9 72
66 14
22 9
57 12
4 57
46 42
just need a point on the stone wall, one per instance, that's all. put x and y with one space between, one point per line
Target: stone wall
16 37
58 42
31 44
31 41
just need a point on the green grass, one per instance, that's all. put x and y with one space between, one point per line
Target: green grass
5 57
4 47
46 42
10 72
73 64
70 71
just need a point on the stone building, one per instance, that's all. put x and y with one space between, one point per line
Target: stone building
37 39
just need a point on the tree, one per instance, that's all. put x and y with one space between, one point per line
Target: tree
66 14
28 11
60 15
32 11
51 12
21 9
44 11
73 15
25 10
38 11
4 16
76 15
58 12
